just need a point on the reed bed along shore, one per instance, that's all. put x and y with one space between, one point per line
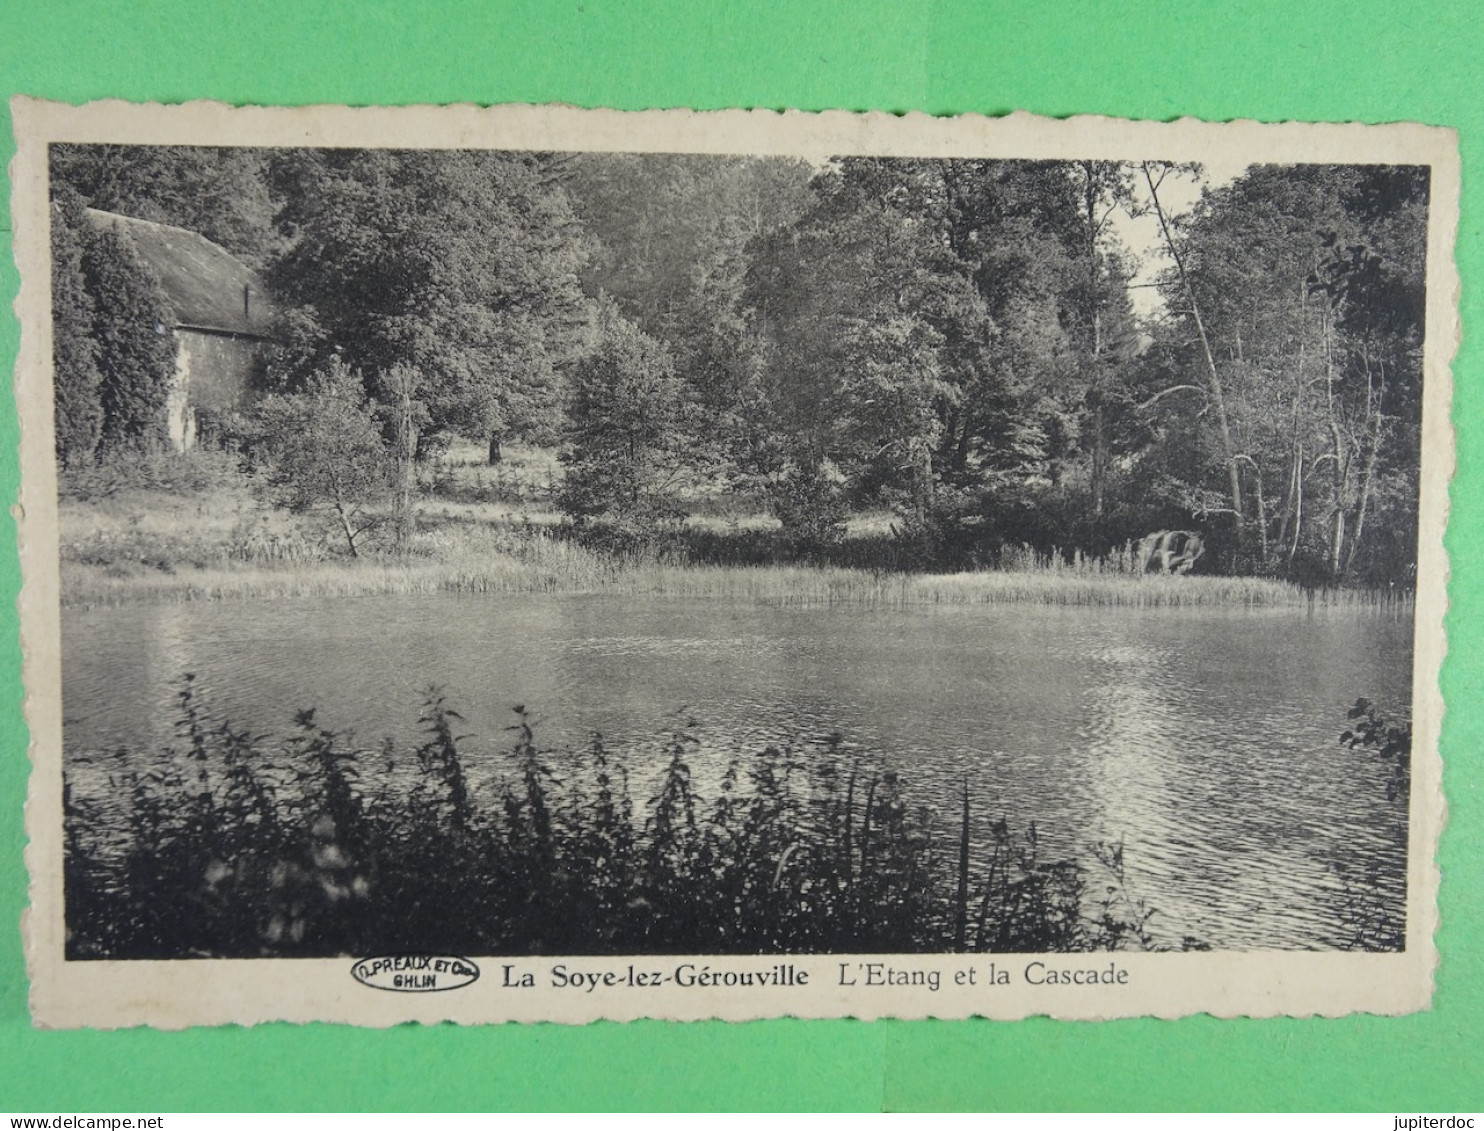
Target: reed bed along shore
548 564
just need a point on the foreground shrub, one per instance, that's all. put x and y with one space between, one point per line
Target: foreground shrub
1373 911
241 845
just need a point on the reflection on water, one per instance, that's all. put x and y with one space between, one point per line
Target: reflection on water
1204 740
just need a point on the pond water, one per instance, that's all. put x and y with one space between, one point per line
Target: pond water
1205 740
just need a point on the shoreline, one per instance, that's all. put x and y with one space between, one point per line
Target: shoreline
220 542
86 585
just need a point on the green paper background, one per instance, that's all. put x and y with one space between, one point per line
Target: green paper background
1369 60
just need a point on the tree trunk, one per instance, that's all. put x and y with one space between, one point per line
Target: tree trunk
350 535
1338 472
407 459
1337 498
1099 438
1290 497
1262 513
1218 398
922 487
1099 470
1336 541
1298 502
1262 522
495 455
1292 505
1368 475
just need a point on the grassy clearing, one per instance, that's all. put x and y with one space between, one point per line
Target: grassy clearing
240 845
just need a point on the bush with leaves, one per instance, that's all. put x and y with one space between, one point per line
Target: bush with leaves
324 452
809 501
622 443
1373 903
1391 740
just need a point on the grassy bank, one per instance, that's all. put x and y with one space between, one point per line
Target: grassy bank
222 553
558 570
240 845
192 528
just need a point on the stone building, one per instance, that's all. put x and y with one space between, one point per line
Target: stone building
222 320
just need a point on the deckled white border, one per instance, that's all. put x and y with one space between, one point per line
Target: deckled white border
192 992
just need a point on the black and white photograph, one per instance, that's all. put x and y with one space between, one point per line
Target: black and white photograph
826 565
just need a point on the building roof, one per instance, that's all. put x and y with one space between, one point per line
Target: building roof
208 287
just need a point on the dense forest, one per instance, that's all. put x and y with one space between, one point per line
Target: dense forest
953 341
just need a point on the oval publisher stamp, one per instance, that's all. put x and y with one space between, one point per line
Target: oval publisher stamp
415 973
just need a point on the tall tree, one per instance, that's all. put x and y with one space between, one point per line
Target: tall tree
1103 330
1154 173
622 445
990 298
460 266
1309 282
220 192
859 306
1046 416
325 452
671 237
136 349
77 380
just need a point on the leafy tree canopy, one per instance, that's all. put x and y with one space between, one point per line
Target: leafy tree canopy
461 266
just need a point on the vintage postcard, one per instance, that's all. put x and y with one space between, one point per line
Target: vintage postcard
545 564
